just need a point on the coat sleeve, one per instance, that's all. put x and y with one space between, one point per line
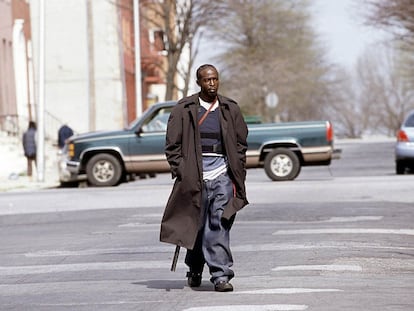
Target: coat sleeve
173 141
241 136
239 200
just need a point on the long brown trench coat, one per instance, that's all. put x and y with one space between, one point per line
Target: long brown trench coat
182 216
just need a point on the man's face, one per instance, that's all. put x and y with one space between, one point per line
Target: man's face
209 82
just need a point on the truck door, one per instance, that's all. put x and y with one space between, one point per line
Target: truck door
147 146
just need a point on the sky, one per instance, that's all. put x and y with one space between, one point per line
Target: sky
340 25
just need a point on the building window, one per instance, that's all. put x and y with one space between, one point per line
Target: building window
158 40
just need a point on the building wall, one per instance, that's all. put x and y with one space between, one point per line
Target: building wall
126 22
66 68
22 62
8 110
21 10
67 84
110 95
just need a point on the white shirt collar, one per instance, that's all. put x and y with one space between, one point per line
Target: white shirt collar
206 105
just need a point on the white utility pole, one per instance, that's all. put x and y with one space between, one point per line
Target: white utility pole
40 149
137 43
91 66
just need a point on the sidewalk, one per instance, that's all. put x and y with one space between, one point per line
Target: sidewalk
13 166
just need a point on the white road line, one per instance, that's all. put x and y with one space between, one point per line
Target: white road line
235 249
287 247
78 267
289 291
250 308
346 231
329 220
139 225
103 303
153 215
137 230
353 218
101 251
319 268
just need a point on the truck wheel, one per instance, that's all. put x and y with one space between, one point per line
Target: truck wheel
282 164
103 170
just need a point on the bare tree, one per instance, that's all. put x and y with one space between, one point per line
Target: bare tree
384 95
395 16
393 88
344 109
181 21
271 47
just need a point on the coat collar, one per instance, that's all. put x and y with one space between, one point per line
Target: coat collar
194 100
192 103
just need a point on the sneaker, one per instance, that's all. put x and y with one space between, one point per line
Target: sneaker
223 286
194 279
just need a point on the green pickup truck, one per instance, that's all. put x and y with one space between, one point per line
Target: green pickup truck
108 158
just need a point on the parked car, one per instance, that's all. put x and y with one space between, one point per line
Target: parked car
404 148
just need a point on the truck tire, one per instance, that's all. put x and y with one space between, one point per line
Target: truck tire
103 170
282 164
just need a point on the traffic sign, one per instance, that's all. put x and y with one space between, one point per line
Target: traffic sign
272 100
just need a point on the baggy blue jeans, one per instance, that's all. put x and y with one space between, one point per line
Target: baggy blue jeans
213 240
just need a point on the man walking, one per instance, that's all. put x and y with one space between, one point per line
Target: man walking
206 149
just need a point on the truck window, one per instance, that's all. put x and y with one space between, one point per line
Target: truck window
157 122
410 121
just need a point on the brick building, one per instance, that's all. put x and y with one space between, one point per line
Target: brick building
152 59
8 108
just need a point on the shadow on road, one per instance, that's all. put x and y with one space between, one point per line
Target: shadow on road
174 284
162 284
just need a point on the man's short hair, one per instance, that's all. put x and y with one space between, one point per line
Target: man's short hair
202 67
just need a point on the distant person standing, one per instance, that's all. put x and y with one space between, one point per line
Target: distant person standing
29 146
64 133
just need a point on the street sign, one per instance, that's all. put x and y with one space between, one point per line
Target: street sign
272 100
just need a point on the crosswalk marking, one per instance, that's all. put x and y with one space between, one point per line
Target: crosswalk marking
288 291
319 268
101 251
278 307
139 225
346 231
328 220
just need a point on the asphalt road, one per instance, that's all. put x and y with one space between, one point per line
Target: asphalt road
336 238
